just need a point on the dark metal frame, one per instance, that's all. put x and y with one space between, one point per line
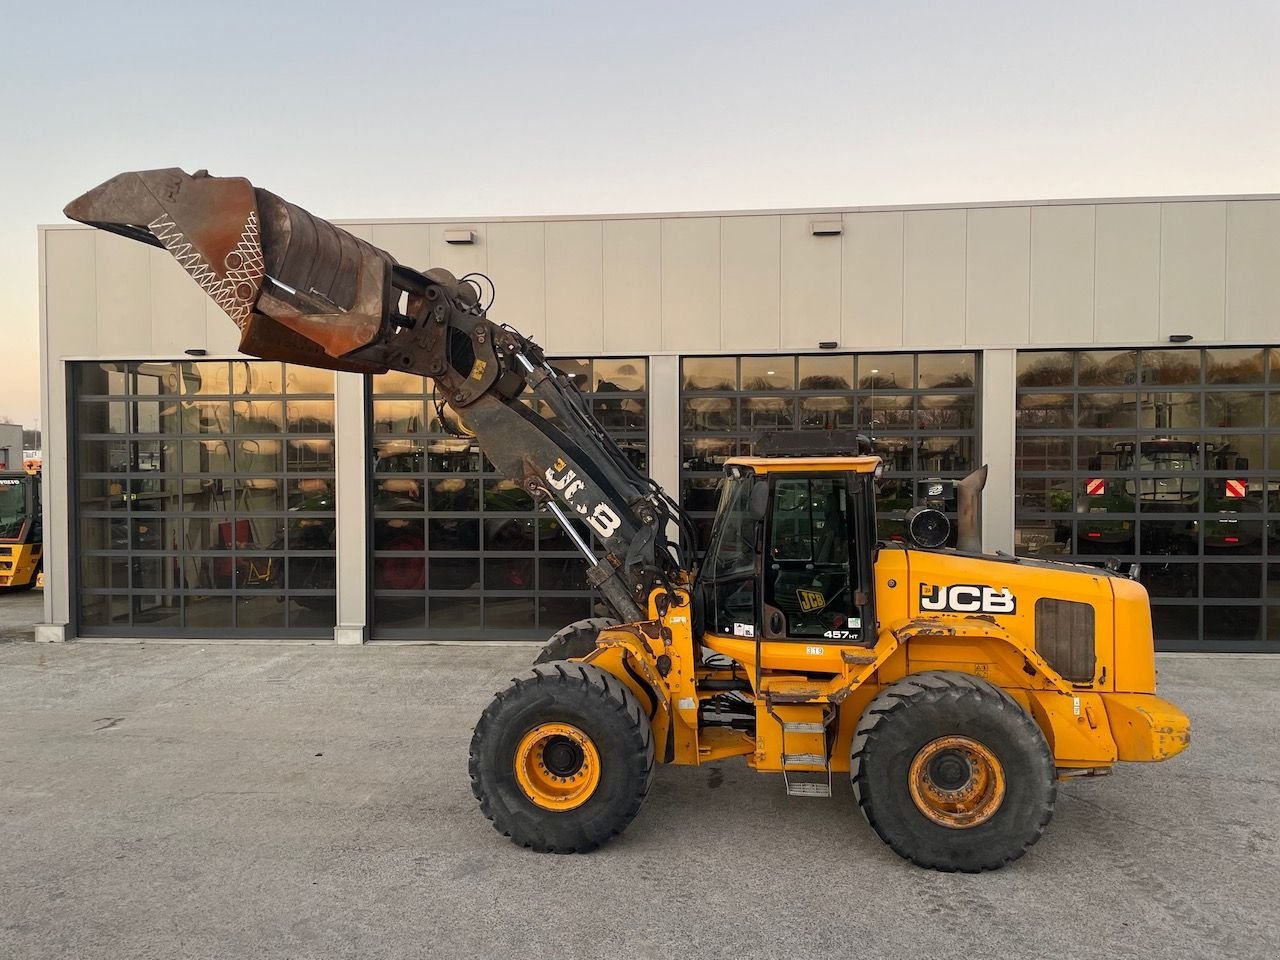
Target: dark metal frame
133 556
1077 471
421 626
890 521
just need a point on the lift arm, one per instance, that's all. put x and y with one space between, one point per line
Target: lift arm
305 291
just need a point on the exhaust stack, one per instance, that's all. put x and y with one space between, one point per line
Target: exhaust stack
969 510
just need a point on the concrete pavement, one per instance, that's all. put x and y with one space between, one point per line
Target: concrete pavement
244 801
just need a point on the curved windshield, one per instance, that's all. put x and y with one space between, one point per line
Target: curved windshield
732 548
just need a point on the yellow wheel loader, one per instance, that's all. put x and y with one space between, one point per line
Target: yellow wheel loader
21 540
954 688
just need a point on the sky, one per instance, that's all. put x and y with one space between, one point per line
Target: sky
476 108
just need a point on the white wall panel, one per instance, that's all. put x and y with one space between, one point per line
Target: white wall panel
409 243
810 285
1193 269
871 314
1127 273
632 286
1062 274
575 286
1253 271
750 283
124 295
177 307
517 266
691 284
222 336
459 258
933 294
998 285
70 293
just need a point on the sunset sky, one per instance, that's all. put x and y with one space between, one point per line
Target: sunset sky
480 108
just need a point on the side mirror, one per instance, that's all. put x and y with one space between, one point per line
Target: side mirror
758 505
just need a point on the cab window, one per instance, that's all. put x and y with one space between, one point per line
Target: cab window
809 578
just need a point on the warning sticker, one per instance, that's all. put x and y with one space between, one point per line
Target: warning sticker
1237 488
1095 487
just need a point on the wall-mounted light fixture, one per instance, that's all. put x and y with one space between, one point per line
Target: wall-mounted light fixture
195 351
1180 337
826 228
459 236
828 344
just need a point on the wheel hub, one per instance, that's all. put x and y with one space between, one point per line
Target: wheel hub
562 757
957 782
557 766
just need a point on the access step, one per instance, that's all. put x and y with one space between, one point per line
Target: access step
791 760
808 789
803 727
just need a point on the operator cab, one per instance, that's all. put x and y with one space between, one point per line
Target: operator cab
790 553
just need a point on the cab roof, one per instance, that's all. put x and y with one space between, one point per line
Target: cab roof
804 464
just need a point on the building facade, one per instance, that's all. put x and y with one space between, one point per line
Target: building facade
1111 361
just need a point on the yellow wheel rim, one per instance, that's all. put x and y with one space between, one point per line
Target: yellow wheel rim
557 766
957 782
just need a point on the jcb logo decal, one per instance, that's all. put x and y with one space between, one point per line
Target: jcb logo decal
811 600
602 519
967 598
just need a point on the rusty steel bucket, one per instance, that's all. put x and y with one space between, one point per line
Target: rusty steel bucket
299 288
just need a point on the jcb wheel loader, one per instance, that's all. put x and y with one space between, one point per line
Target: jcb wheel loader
955 688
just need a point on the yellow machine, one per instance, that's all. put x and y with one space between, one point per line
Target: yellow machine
21 542
955 688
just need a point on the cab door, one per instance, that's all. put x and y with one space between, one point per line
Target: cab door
814 582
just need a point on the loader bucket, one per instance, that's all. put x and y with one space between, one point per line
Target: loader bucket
299 288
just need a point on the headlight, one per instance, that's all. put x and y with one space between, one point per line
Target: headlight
879 471
933 490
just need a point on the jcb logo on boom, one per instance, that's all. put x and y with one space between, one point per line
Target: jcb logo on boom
967 598
602 519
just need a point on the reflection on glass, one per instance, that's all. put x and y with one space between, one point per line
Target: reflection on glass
761 374
579 371
206 377
307 379
1107 368
1044 411
703 414
613 375
1170 366
310 416
767 412
190 498
394 381
946 370
1044 369
1230 365
710 373
817 372
1107 411
258 416
945 412
258 377
888 371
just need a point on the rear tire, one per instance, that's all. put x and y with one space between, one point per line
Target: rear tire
952 772
567 808
574 641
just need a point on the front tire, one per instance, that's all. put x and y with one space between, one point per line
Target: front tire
952 772
562 760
